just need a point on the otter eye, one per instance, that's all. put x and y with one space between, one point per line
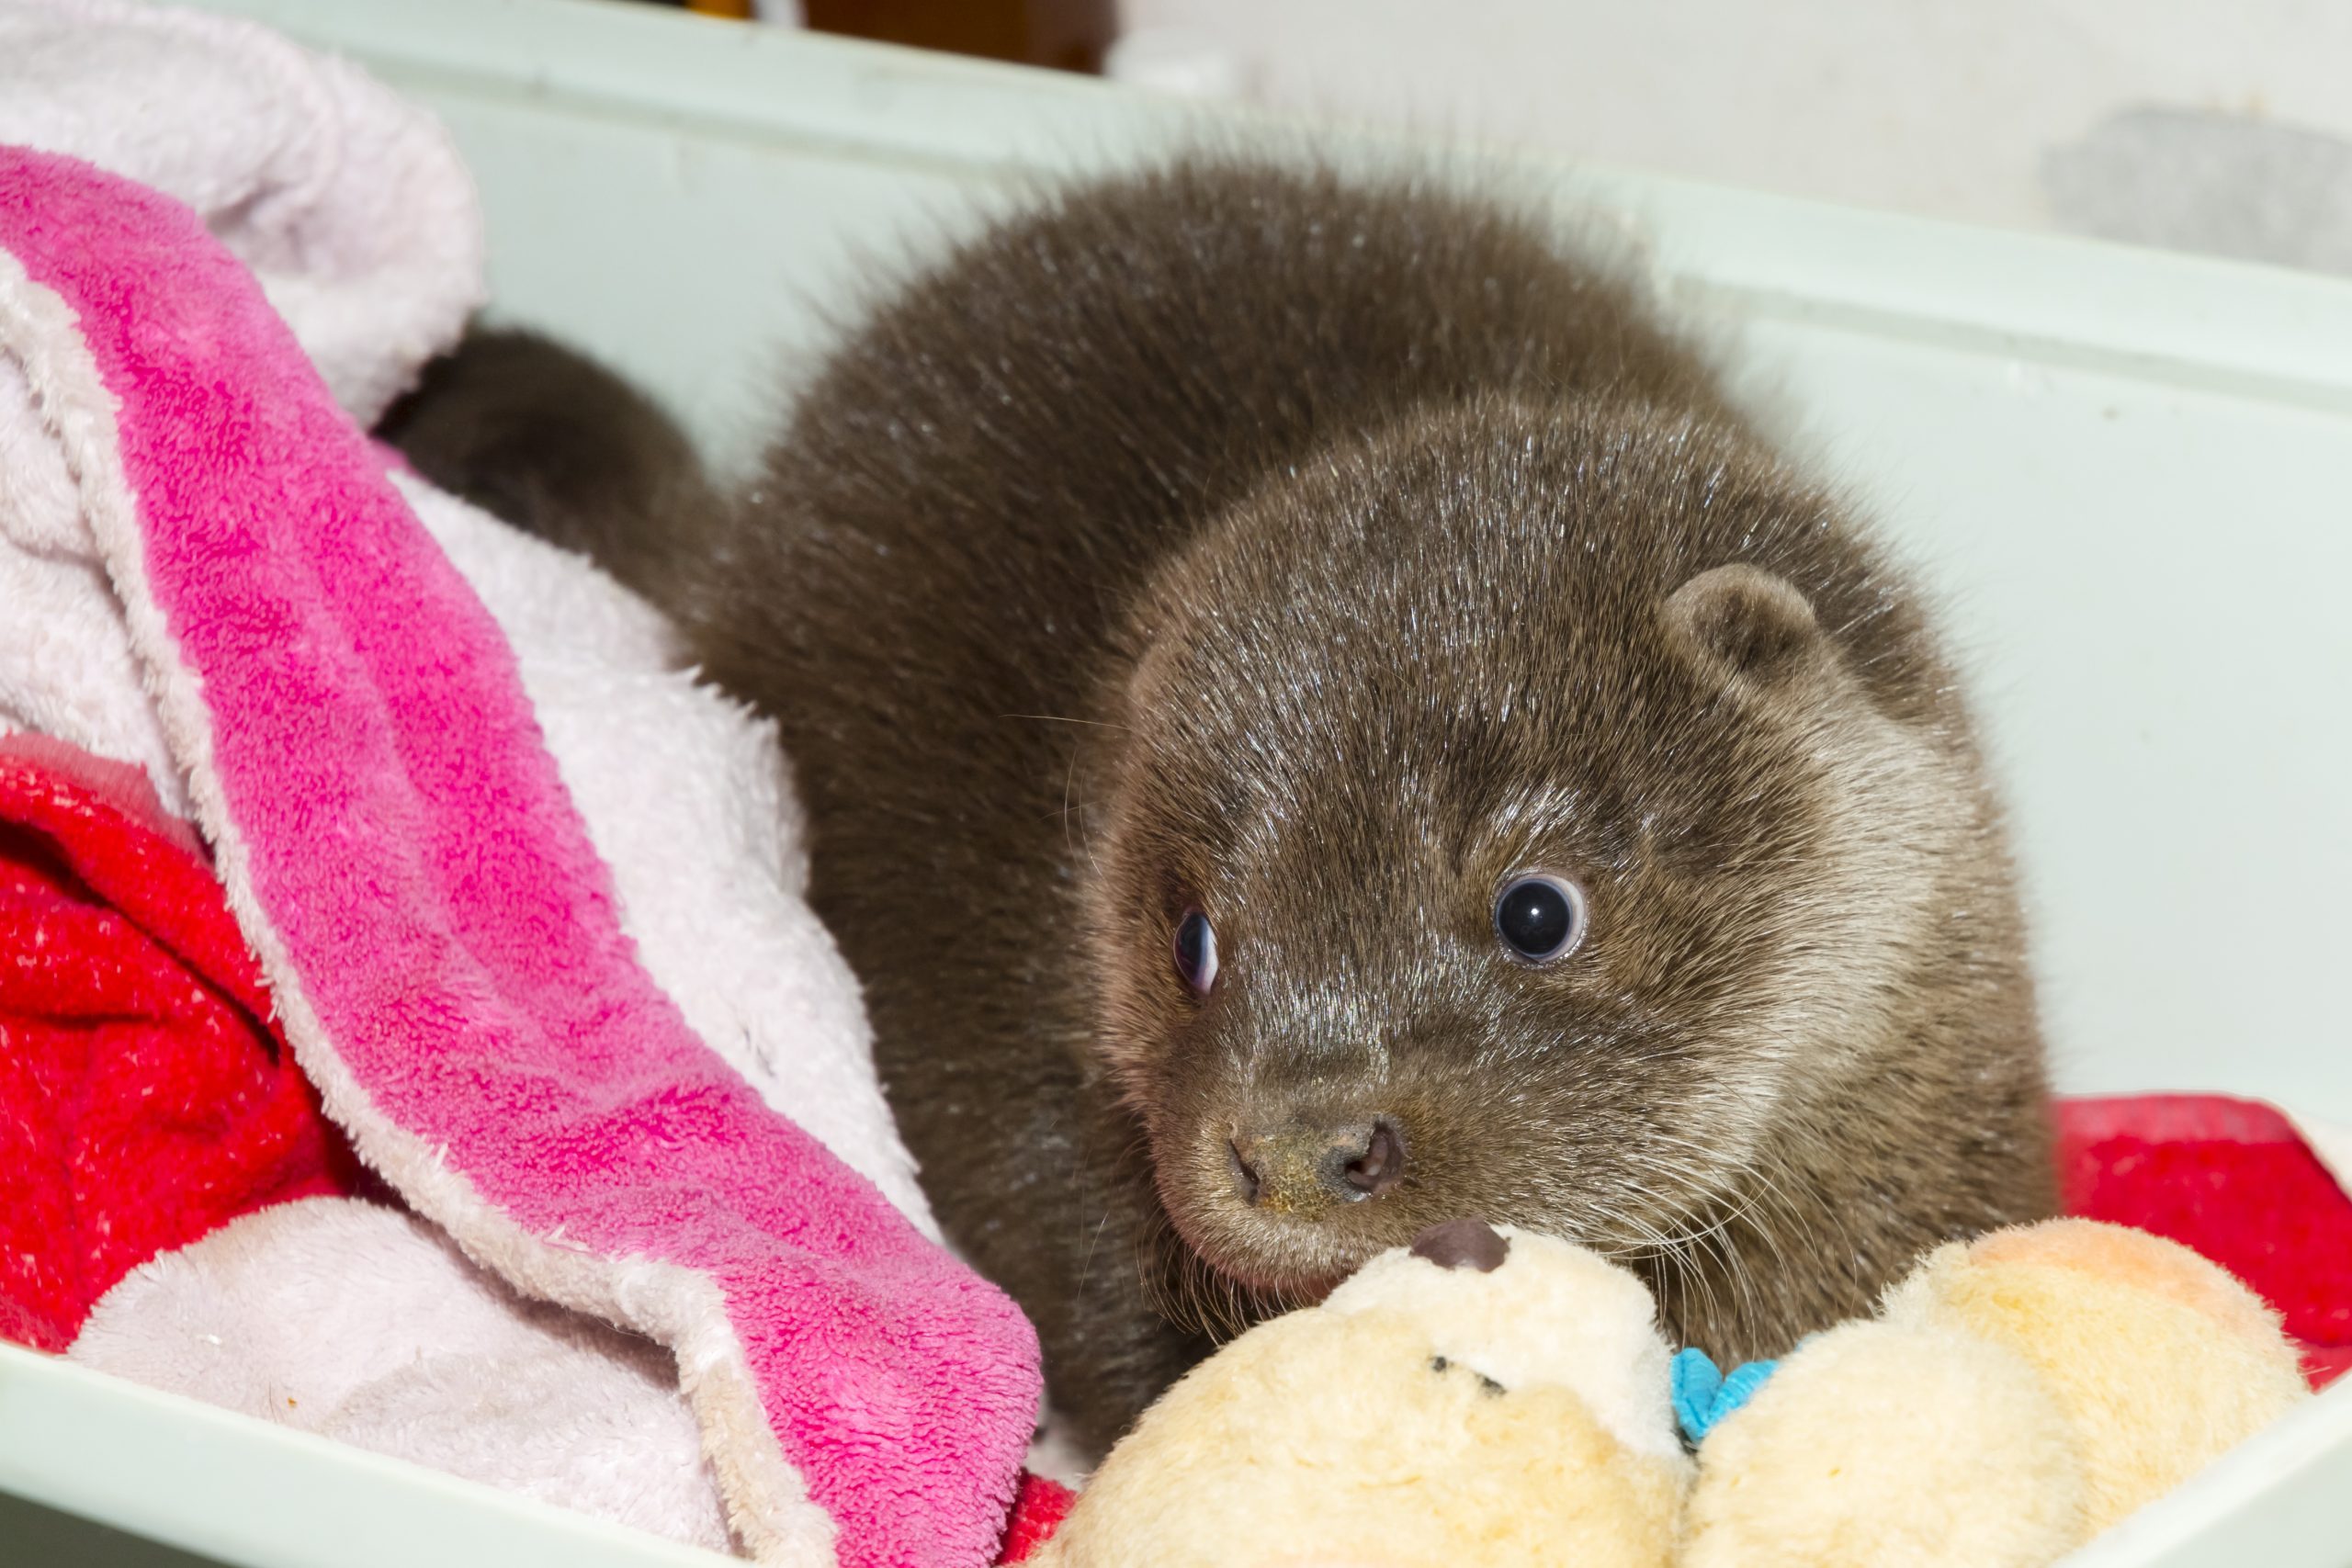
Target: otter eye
1196 954
1539 918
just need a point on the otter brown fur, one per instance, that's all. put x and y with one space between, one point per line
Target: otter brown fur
1320 555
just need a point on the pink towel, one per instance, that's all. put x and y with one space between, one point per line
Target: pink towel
442 943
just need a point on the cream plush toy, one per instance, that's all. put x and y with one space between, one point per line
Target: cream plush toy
2015 1396
1496 1398
1485 1397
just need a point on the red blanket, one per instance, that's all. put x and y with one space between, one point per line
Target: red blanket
144 1098
2232 1179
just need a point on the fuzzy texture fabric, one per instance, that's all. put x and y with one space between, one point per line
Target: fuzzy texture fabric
685 796
1038 1512
2015 1396
1704 1394
67 667
1424 1416
360 1322
361 225
363 1324
318 1321
350 205
2157 1360
144 1098
1561 1315
1864 1450
2236 1181
442 945
191 1119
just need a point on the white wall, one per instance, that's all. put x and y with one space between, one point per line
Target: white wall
1945 107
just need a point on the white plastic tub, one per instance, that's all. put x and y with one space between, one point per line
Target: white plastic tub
2131 474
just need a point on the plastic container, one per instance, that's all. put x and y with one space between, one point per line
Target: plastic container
2130 473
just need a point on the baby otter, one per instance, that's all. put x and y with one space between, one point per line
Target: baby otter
1317 718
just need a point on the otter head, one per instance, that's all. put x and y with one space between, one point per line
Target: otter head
1514 814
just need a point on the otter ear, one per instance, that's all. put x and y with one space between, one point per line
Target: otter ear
1742 622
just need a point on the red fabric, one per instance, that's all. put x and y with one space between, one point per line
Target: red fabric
143 1101
1037 1511
2230 1180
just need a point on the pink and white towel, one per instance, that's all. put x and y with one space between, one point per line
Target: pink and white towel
223 587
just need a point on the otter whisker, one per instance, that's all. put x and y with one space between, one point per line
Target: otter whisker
1058 719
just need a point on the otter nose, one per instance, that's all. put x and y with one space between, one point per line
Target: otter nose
1307 1166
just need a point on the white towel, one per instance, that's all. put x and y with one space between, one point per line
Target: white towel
352 209
350 205
343 1318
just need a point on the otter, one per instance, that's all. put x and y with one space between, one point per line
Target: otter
1320 717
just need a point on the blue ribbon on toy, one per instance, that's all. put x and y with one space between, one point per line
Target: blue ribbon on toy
1703 1396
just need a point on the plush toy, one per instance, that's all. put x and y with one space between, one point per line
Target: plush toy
2014 1397
1485 1397
1491 1396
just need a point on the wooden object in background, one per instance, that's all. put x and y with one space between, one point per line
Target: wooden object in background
1067 35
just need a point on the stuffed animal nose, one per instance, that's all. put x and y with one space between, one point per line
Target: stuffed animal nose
1305 1167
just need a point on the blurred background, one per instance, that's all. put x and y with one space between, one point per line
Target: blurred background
2217 126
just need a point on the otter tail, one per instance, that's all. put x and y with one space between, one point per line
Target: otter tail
544 437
